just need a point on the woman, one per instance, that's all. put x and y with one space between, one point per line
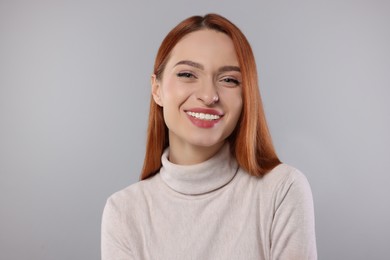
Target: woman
212 186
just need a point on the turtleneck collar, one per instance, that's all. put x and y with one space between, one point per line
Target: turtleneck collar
199 178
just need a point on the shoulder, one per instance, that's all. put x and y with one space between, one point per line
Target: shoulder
131 196
283 180
285 175
287 184
281 175
122 215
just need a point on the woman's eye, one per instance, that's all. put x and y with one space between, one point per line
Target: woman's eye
185 75
231 81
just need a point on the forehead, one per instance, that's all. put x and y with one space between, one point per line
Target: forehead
208 47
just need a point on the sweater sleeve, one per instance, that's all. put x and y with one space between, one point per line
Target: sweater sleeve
293 231
114 243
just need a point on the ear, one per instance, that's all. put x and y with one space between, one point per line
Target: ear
156 90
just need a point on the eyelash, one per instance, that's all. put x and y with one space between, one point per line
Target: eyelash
228 80
233 80
185 75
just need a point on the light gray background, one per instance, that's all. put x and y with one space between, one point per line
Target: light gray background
74 95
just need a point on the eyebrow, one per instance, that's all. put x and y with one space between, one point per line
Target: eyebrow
229 68
200 66
191 63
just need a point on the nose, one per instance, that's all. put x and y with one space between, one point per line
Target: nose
207 93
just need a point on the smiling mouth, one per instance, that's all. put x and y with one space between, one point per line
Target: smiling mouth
203 116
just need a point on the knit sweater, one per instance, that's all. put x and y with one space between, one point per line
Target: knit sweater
212 210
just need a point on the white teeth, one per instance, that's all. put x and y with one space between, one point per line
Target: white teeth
203 116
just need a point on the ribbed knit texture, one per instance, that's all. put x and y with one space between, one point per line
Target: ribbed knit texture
212 210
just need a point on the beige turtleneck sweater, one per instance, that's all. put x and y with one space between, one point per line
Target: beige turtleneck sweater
212 210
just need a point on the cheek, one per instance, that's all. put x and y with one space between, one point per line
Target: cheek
237 111
174 94
233 100
173 91
236 104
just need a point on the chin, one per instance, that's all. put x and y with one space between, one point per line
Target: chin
207 143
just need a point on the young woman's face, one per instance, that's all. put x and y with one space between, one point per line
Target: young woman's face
200 90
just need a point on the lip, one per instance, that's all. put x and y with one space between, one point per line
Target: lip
201 122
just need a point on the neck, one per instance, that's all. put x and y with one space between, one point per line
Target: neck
200 178
187 154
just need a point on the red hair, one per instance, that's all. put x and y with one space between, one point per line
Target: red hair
250 142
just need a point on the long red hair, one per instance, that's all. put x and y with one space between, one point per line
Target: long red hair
250 142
